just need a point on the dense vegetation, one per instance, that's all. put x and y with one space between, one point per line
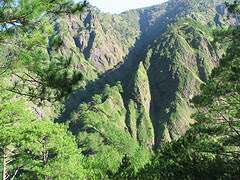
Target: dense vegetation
159 98
210 149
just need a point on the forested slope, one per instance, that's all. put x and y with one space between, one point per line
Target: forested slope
140 70
137 76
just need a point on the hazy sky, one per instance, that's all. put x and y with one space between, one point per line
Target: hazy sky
118 6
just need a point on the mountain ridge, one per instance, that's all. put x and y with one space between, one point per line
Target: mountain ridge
158 55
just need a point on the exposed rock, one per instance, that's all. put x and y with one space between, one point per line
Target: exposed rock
161 55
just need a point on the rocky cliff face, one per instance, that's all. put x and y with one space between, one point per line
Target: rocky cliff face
153 61
178 62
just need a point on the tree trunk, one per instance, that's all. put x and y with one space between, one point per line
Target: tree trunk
4 164
45 156
44 162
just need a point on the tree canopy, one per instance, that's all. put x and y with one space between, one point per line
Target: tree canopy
31 148
26 36
35 149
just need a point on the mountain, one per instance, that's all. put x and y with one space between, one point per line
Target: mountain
141 68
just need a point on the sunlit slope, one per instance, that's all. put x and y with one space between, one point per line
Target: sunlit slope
141 68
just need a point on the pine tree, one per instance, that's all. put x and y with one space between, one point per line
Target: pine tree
26 70
25 67
219 101
53 151
218 115
40 149
125 170
14 118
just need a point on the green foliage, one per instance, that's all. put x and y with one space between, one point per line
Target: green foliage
150 107
153 107
178 62
185 159
34 149
100 163
24 35
14 118
125 170
138 119
210 149
219 100
233 8
179 58
101 133
53 152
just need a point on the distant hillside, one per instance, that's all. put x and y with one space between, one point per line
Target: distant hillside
141 68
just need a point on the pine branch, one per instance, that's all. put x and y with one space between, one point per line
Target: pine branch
34 80
10 151
229 122
15 173
18 92
9 161
12 19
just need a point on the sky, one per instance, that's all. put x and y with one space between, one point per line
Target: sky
118 6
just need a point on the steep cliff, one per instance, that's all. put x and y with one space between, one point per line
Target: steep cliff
138 105
152 60
178 62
